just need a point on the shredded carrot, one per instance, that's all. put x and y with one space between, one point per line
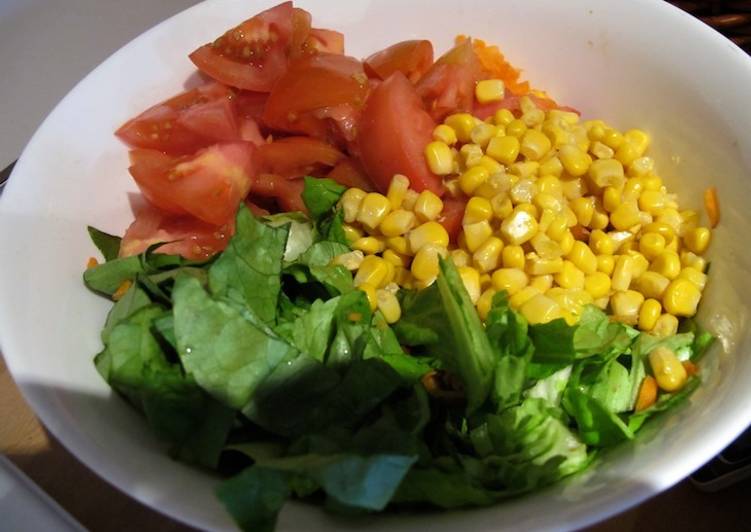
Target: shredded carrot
712 206
91 263
121 290
647 393
494 63
691 368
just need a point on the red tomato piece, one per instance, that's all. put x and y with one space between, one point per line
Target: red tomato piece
411 58
314 83
287 193
186 236
452 215
297 156
328 41
349 172
449 86
208 185
184 123
393 132
253 55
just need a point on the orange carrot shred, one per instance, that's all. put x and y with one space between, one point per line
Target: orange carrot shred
494 63
647 394
691 368
712 206
121 290
91 263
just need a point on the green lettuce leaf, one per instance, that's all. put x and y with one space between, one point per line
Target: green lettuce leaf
108 245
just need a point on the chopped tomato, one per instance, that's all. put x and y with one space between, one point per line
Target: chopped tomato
449 86
451 216
297 156
411 58
349 172
287 193
313 84
254 54
321 40
393 132
186 122
513 103
208 185
185 235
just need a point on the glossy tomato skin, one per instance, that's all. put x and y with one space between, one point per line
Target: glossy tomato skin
313 87
411 58
184 234
184 123
297 156
322 40
452 215
286 193
208 185
449 86
253 54
393 132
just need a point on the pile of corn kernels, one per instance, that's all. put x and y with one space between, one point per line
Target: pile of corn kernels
559 213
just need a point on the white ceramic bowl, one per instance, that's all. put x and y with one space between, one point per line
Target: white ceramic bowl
637 63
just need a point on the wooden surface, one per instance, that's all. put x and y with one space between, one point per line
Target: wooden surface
99 506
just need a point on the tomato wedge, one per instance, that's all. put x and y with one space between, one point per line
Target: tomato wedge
393 132
208 185
297 156
315 83
185 235
452 215
349 172
186 122
253 55
411 58
286 193
449 86
321 40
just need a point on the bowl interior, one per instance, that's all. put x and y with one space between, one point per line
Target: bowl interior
636 64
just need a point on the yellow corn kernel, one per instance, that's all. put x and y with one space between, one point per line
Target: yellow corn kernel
551 167
388 304
595 129
373 210
625 216
627 152
369 245
519 227
570 276
641 264
350 202
428 206
370 292
487 256
649 314
542 282
534 145
652 284
652 245
510 279
522 296
644 167
516 128
486 281
427 233
651 181
669 216
473 178
601 243
403 277
471 279
471 154
397 223
597 285
667 369
522 191
546 247
482 133
690 221
538 266
584 208
611 199
612 137
399 244
410 198
485 302
583 257
444 133
513 257
425 264
390 274
524 169
462 124
540 309
460 257
545 201
662 228
652 201
397 190
503 117
681 298
633 188
395 258
673 246
478 209
439 158
626 304
502 206
549 184
692 260
601 151
372 271
695 276
489 90
666 325
503 149
567 242
623 272
668 264
476 234
351 260
533 118
557 135
557 228
351 233
600 219
606 173
606 264
546 218
697 240
575 161
639 140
